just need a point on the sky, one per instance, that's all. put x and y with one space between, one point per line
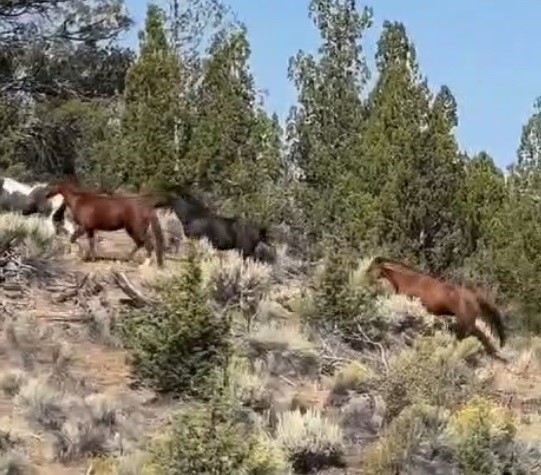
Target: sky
486 52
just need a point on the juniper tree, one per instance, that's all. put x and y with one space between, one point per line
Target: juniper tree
151 109
411 157
235 150
324 127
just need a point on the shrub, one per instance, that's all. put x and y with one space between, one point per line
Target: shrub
11 382
351 376
177 346
311 440
249 386
284 348
16 464
482 434
239 285
207 438
41 404
341 302
394 451
36 232
433 372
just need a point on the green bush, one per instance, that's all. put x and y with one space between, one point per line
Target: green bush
178 346
416 425
433 372
339 304
482 434
208 438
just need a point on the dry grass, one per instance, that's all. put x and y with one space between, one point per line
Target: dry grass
33 230
92 426
309 438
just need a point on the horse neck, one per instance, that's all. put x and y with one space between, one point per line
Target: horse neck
396 276
70 196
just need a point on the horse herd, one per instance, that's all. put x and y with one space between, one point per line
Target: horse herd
93 211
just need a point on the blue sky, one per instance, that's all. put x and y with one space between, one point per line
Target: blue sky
487 52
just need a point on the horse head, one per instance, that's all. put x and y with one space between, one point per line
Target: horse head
37 202
375 269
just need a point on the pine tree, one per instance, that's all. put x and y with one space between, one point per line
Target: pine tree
152 109
235 149
323 129
484 195
411 159
527 169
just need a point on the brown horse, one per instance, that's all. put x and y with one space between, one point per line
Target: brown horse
442 298
95 211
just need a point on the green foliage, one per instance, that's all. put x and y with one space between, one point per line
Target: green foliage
323 129
235 147
416 425
337 303
433 372
151 127
482 434
412 158
210 439
483 196
180 346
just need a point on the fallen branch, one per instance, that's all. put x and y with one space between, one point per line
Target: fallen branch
127 287
287 381
63 317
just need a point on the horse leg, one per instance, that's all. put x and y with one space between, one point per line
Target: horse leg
149 247
77 233
489 347
91 244
139 243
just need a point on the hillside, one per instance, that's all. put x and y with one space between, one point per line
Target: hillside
69 405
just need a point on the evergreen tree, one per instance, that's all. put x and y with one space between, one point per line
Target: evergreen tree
235 151
483 196
527 169
411 157
323 129
152 109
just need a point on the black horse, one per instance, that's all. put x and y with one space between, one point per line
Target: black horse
224 233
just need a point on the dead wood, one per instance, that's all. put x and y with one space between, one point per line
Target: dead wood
137 298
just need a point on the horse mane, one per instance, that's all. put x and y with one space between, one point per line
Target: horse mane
190 198
380 260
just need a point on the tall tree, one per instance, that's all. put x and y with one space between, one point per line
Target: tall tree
510 253
151 109
527 169
53 54
323 129
411 157
235 147
483 196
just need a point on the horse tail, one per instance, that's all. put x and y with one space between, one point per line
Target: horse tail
492 316
158 235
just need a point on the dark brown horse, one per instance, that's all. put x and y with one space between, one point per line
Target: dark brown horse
251 239
442 298
96 211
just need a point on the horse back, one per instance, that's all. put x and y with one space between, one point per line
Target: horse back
110 213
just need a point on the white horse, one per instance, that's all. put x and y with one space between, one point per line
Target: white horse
10 185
